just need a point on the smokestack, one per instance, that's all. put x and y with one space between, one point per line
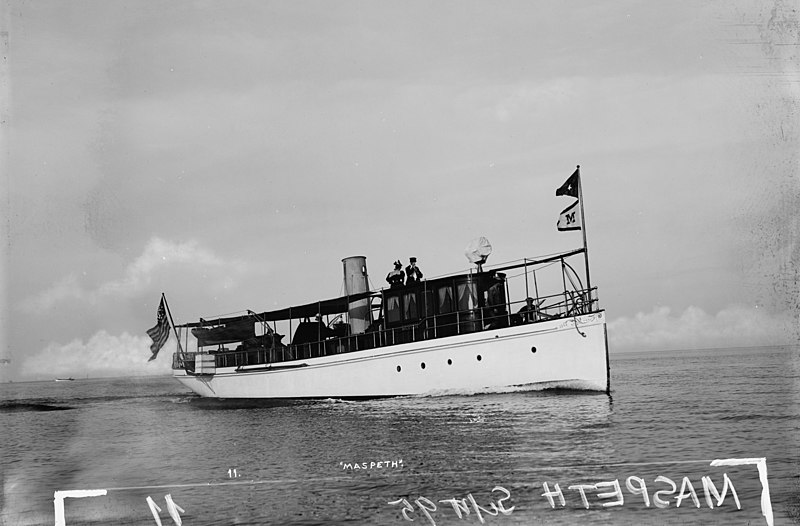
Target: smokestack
355 282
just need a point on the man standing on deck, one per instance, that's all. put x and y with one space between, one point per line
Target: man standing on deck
413 273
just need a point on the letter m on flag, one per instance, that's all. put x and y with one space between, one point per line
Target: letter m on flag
570 218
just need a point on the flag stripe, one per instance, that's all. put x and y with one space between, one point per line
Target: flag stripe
159 335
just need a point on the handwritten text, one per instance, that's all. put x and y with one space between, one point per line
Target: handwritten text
380 464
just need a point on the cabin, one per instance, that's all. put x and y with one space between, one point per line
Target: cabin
445 307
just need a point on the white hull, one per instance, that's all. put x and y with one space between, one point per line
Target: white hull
562 357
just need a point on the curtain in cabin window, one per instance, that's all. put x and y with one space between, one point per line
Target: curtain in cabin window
445 300
410 304
393 308
467 296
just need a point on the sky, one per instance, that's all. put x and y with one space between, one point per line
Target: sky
230 154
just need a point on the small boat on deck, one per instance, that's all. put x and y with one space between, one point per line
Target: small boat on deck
525 325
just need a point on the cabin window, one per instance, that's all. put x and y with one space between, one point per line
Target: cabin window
467 296
445 300
392 309
410 304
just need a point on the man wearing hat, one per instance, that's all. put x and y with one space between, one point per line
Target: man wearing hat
396 277
413 273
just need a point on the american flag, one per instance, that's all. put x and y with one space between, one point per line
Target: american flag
160 333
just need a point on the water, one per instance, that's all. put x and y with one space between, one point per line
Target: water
295 463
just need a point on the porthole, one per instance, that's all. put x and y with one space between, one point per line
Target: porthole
449 361
398 368
422 365
533 349
479 358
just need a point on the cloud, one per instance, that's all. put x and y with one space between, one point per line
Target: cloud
626 111
65 289
536 98
733 326
159 255
102 355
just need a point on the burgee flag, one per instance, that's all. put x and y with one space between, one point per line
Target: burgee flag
570 186
570 218
160 333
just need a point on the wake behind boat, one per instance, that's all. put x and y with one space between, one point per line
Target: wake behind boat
461 333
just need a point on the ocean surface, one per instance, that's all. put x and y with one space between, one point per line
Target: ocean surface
470 459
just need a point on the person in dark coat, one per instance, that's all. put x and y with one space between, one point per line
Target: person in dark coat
413 273
396 277
530 311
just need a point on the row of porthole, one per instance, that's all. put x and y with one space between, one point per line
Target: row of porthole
450 362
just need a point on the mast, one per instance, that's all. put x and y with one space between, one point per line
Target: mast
583 231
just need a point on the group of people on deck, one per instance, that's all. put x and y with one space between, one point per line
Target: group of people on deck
397 277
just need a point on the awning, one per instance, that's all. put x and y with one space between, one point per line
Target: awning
309 310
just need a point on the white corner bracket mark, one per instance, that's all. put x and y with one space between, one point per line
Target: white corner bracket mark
59 496
761 464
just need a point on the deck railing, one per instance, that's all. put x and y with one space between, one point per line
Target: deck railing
562 305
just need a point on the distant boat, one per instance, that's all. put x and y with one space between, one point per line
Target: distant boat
454 334
65 379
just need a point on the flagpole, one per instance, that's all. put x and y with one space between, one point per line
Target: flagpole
172 323
583 230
